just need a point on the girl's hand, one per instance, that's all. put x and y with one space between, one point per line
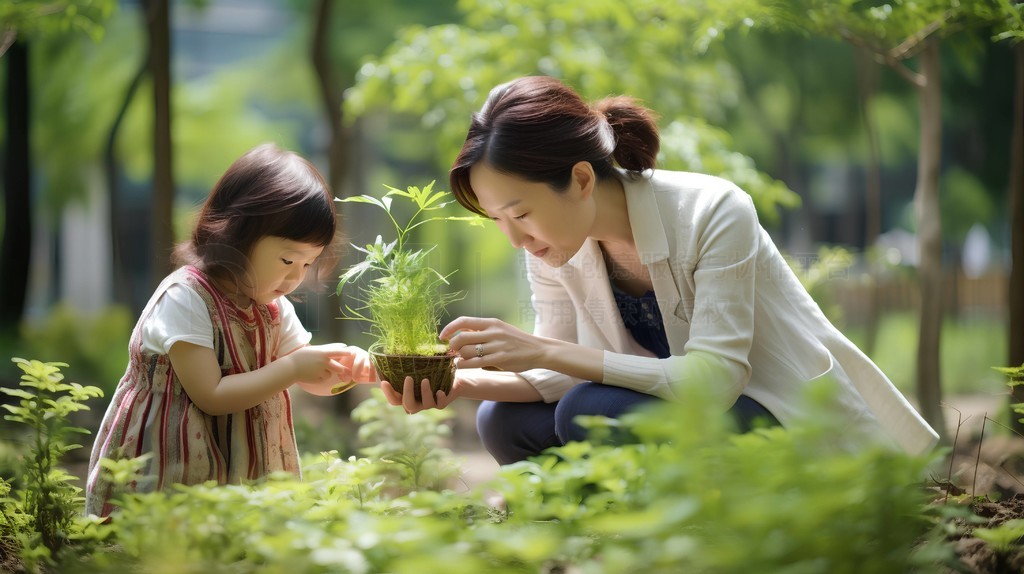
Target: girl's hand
320 368
359 365
484 343
407 399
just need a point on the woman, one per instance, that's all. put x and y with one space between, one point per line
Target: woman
644 283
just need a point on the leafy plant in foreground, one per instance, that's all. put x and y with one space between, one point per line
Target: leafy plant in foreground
1003 538
45 403
1016 376
693 496
411 444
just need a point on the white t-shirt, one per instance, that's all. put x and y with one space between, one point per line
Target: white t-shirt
181 315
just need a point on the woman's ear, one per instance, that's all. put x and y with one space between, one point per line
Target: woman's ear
584 180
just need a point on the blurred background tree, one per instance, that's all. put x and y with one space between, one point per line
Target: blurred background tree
21 25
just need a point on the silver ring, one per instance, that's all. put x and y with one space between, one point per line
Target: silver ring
479 350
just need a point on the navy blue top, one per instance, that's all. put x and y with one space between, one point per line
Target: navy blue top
642 317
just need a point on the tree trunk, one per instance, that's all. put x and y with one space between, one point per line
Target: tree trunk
1016 194
929 230
331 96
867 82
16 247
161 227
122 294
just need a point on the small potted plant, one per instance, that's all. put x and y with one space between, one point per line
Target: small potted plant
401 296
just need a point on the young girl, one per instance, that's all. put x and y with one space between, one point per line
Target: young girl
644 282
219 343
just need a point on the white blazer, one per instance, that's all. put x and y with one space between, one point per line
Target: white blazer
737 318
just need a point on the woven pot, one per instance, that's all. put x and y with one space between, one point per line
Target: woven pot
440 369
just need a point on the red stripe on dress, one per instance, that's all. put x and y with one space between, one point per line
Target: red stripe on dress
261 336
219 304
211 447
164 428
107 426
250 435
291 424
142 429
134 390
184 442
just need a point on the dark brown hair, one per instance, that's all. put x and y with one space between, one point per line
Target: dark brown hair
266 192
537 128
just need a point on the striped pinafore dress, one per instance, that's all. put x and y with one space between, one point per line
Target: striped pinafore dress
151 413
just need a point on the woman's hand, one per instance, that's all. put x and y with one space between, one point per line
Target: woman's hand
492 343
407 398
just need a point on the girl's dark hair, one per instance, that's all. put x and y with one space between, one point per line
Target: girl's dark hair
537 128
266 192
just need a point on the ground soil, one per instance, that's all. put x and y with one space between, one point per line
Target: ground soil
985 472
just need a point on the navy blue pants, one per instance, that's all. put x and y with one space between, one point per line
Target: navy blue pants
516 431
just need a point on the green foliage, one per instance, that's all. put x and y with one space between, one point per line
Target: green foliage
893 22
13 523
96 345
694 497
44 406
78 101
54 17
217 117
442 73
693 145
404 301
818 275
691 497
1003 538
412 445
964 202
1016 376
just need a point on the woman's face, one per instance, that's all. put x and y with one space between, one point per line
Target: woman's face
550 225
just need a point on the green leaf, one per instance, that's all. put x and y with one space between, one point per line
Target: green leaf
17 393
364 199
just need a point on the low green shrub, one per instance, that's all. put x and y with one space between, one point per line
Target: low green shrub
1016 377
691 496
696 497
46 494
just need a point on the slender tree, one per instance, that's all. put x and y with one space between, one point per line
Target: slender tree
19 23
161 227
17 237
331 93
1016 193
867 84
112 169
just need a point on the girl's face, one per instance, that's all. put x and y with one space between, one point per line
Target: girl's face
550 225
276 267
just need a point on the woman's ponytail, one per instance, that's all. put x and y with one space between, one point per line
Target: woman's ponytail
636 133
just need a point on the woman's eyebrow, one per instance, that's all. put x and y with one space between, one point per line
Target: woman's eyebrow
512 203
